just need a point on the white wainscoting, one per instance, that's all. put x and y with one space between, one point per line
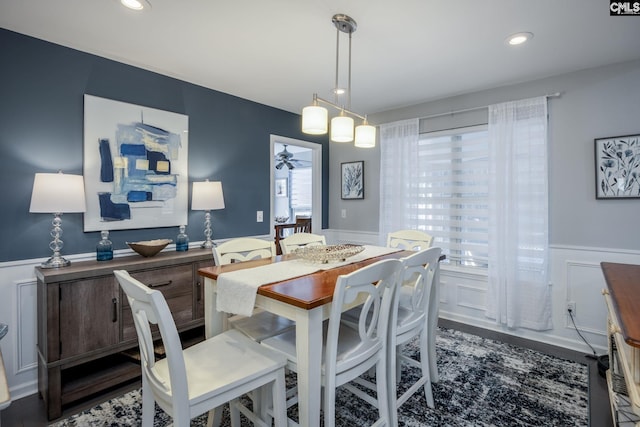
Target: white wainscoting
18 310
18 305
26 326
575 276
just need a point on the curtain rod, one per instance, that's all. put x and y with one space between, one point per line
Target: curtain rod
551 95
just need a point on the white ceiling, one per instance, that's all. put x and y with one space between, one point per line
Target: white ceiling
279 52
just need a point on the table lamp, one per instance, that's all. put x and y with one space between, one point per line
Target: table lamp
57 193
207 196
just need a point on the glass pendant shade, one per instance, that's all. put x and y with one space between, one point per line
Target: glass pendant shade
342 129
314 117
365 136
314 120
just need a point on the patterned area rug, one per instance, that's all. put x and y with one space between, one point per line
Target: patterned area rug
482 383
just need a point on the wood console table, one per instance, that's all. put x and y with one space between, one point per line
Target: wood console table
622 297
86 337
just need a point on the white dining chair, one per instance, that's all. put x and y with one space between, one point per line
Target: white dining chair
5 395
413 240
349 352
261 324
299 240
243 249
417 315
415 312
202 377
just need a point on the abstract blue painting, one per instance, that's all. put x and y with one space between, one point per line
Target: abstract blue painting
135 166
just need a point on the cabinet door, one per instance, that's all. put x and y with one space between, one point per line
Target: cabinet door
88 315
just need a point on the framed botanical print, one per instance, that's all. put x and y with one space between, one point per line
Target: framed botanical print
282 188
352 180
618 167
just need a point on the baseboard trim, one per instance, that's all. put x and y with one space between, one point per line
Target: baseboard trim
522 334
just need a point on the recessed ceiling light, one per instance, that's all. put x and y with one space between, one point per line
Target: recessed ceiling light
519 38
136 4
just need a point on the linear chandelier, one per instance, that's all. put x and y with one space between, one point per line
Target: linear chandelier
315 116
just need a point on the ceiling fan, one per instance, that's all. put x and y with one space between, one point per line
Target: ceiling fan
286 158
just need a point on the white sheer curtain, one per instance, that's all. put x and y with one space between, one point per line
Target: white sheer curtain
519 293
399 169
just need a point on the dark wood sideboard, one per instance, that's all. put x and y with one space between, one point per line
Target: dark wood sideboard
622 297
86 337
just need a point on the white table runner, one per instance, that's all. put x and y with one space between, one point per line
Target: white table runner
237 289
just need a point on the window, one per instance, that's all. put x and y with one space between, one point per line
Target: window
471 184
301 191
452 193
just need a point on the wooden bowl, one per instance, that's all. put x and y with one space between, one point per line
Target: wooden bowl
149 248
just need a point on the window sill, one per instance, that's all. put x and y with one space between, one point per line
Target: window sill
454 270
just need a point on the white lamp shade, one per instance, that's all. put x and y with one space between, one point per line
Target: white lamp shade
314 120
57 193
342 129
365 136
207 196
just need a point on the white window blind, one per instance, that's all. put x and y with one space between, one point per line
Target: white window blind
452 203
301 189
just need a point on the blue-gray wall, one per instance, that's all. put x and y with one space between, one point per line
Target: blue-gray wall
41 130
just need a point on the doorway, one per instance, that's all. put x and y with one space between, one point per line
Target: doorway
296 180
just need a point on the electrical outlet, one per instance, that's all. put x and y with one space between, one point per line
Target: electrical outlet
571 307
259 217
343 213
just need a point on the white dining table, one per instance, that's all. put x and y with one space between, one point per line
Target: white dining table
305 300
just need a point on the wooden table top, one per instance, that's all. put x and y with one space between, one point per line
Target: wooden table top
309 291
623 283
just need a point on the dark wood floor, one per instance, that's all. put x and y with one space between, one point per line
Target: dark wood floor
30 411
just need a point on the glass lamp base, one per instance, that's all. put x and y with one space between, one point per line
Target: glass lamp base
56 262
208 244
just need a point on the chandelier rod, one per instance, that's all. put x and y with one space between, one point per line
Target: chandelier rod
338 107
349 82
335 86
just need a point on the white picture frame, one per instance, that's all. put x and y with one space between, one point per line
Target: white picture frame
135 166
282 187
